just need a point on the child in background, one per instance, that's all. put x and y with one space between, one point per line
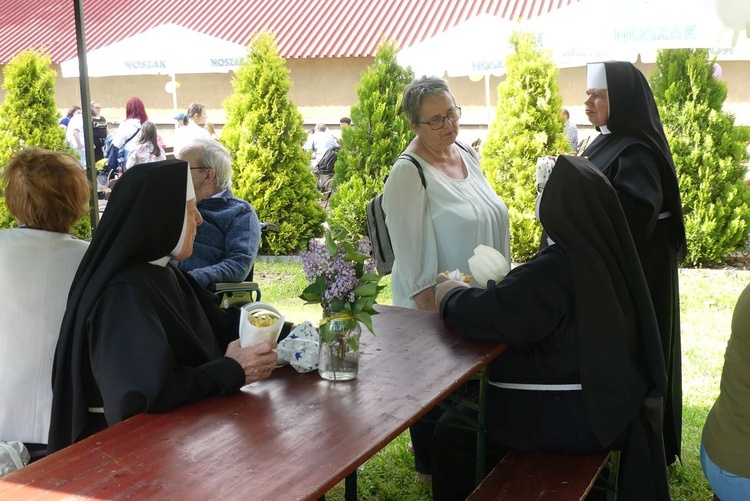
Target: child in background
147 149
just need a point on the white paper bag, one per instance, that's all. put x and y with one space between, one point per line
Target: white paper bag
251 334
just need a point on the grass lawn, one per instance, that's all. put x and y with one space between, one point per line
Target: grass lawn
707 300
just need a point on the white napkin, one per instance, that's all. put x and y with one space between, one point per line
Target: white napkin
544 167
300 348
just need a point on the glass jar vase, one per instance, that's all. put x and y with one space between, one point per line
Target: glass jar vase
338 356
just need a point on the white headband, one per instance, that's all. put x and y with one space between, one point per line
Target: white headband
189 195
596 76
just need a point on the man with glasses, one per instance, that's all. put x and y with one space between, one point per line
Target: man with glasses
227 242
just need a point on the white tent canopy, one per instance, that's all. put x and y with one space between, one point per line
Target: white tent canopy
167 49
591 30
588 31
477 46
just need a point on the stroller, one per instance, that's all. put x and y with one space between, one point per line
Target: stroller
107 175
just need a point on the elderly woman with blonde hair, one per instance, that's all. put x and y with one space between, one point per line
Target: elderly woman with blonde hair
47 192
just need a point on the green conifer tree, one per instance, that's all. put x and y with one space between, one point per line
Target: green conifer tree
380 133
709 154
28 115
264 133
527 126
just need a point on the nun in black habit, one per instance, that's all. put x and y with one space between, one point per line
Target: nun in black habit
584 372
632 151
138 334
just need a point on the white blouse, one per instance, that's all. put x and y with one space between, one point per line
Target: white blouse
36 271
127 134
437 229
186 135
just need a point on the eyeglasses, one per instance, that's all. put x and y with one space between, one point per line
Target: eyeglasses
438 123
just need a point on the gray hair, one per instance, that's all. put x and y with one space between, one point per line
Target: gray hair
215 156
417 90
321 128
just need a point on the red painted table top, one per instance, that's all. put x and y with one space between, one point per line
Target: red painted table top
292 436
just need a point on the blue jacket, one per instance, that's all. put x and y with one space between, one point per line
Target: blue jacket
226 243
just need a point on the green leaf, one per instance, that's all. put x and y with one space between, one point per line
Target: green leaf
365 290
366 319
353 343
371 277
331 244
338 305
310 297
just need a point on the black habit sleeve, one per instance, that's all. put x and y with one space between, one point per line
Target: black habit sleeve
147 360
532 303
636 177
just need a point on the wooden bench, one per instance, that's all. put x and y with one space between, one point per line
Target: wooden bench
553 477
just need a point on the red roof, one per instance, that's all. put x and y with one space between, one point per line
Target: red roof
303 28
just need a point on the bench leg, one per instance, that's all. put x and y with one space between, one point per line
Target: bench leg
613 475
609 476
350 487
483 377
473 415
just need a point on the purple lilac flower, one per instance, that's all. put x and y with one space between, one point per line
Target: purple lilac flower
315 261
340 275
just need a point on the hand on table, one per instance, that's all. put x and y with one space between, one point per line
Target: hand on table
445 285
258 360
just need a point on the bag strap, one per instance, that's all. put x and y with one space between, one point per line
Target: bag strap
467 149
416 163
13 455
131 137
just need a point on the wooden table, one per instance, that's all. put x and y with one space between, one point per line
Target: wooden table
292 436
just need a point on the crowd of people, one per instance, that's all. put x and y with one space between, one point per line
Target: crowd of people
592 320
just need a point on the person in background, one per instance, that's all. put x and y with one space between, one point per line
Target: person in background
343 123
138 334
99 127
436 229
181 119
64 121
74 135
571 131
211 130
227 242
584 371
195 129
47 192
632 151
725 443
319 142
126 136
147 149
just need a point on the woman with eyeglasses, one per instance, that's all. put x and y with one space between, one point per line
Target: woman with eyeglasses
436 225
